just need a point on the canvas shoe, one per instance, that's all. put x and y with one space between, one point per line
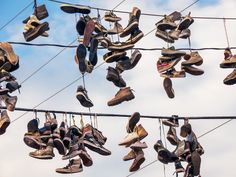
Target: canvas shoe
229 59
83 98
89 28
192 59
172 136
120 46
185 22
131 155
172 73
192 70
133 22
179 168
172 52
116 29
167 83
75 8
9 53
80 26
172 122
139 159
114 76
93 51
81 53
10 101
133 120
166 24
231 78
186 33
124 94
111 17
73 152
166 65
83 154
4 122
135 36
138 145
114 56
74 166
164 35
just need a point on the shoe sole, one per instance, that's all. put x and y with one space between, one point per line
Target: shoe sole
69 172
172 140
192 70
129 29
133 120
114 57
31 142
136 38
187 63
127 98
93 51
184 24
121 47
228 65
81 53
58 144
39 30
89 28
70 8
45 157
83 100
168 87
85 158
70 156
80 27
135 57
95 148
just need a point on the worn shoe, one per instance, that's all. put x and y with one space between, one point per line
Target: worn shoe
99 28
229 59
111 17
166 65
75 8
113 56
185 130
83 154
135 36
172 136
80 26
12 86
166 24
185 22
172 52
196 163
192 59
74 166
83 98
231 78
4 122
120 46
167 83
58 144
133 120
114 76
172 73
80 57
172 122
40 12
133 22
93 51
10 101
179 168
131 155
182 149
192 70
164 35
139 159
9 52
89 28
174 34
124 94
98 136
138 145
117 29
73 151
186 33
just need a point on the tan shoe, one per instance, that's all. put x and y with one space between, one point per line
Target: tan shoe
10 54
131 155
192 59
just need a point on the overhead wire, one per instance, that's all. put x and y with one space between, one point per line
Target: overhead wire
13 18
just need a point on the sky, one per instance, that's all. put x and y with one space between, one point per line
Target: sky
204 95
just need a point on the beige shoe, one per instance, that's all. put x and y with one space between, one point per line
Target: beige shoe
129 139
131 155
10 54
192 59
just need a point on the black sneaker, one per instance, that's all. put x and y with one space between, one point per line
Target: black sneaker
80 56
83 98
12 86
80 26
93 51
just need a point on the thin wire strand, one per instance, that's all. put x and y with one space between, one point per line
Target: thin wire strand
13 18
226 33
189 6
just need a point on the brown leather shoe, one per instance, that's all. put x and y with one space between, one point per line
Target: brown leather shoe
167 83
124 94
131 155
139 159
9 52
4 122
192 59
231 78
89 28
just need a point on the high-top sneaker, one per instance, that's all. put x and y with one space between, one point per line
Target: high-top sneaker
73 151
40 12
172 136
83 154
83 98
4 122
74 166
114 76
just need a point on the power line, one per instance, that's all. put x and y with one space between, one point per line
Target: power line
189 6
13 18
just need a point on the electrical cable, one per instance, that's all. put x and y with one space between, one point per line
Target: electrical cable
13 18
189 6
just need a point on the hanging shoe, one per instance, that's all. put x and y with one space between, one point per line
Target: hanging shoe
10 101
117 29
172 52
73 152
93 51
164 35
186 33
40 12
13 86
174 34
9 52
99 137
185 130
166 24
80 56
172 136
192 70
139 159
138 145
83 154
83 98
135 36
114 76
133 22
174 122
80 26
166 65
196 163
124 94
74 166
231 78
229 59
111 17
58 144
4 122
179 168
167 83
133 120
131 155
89 28
185 22
192 59
172 73
99 28
75 8
113 56
120 46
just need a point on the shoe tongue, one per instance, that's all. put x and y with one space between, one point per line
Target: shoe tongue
227 54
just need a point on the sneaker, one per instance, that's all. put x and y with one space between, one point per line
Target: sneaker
111 17
192 70
9 52
185 22
74 166
114 76
231 78
172 136
196 163
139 159
182 149
166 24
133 22
6 67
80 26
6 76
10 101
117 29
135 36
166 65
185 130
89 28
83 98
12 86
192 59
167 83
83 154
131 155
133 120
172 52
58 144
62 129
99 28
172 122
120 46
99 137
179 168
167 58
164 35
172 73
93 51
40 12
124 94
34 140
4 122
67 139
200 149
75 8
186 33
138 145
113 56
229 59
80 58
73 151
174 34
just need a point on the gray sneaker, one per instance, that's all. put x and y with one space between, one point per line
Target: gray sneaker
74 166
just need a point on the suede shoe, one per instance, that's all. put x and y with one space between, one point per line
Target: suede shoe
131 155
75 8
114 76
167 83
124 94
192 59
74 166
4 122
83 98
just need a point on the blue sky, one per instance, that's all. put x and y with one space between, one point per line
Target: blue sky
195 96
